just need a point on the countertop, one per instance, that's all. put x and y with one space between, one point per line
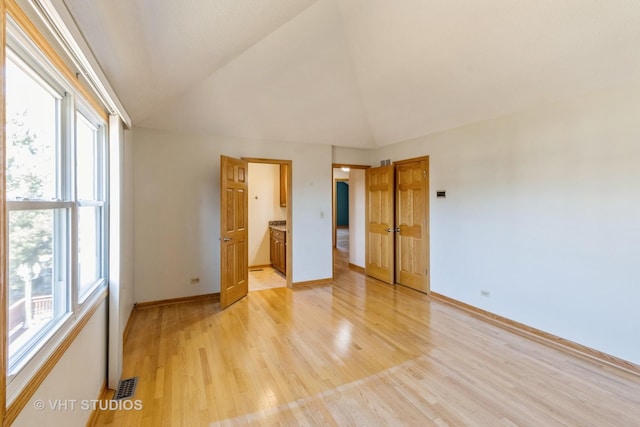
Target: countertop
278 225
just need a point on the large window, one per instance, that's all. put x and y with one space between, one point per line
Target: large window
55 201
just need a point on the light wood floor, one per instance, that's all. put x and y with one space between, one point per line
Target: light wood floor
358 353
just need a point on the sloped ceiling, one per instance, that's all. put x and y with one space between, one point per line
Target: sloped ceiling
353 73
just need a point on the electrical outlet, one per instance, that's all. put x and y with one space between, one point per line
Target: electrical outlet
195 280
484 293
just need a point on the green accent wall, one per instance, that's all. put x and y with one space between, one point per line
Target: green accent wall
342 203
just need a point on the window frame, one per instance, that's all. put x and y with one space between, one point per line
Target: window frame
61 202
20 48
98 202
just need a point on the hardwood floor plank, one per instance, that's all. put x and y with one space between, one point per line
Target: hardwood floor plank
357 352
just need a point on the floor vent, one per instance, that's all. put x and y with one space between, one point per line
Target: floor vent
256 269
126 388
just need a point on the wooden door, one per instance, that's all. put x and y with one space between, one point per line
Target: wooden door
379 236
412 224
234 248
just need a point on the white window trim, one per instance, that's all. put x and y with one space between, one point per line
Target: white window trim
100 126
21 49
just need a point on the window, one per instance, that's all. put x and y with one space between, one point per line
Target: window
38 217
55 180
90 192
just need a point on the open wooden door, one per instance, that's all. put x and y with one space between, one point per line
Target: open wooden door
379 235
234 248
412 224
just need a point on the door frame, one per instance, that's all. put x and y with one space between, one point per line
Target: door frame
289 226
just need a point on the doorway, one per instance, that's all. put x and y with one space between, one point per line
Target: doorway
341 191
234 225
269 210
348 223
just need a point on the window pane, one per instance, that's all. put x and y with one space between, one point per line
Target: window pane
36 266
86 155
32 133
88 246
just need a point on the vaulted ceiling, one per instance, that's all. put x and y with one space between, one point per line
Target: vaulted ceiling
353 73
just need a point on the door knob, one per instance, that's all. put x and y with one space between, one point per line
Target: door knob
389 230
397 229
226 239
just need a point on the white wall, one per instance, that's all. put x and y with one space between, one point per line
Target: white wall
543 211
264 206
338 173
356 217
177 218
351 156
78 376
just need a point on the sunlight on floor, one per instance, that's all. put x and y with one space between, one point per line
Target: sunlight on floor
265 278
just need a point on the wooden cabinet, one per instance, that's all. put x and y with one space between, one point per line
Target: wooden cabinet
279 250
284 173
